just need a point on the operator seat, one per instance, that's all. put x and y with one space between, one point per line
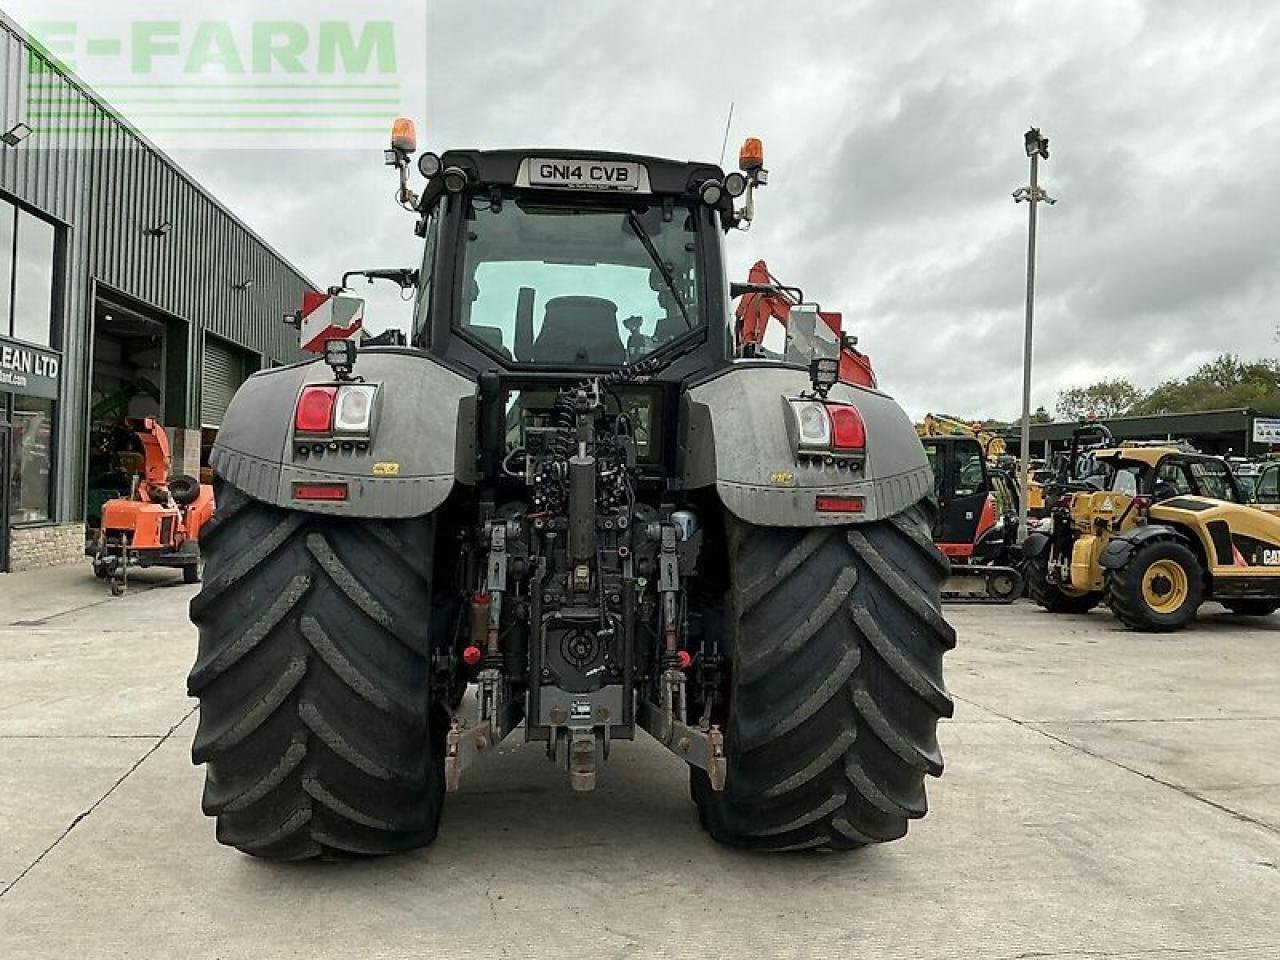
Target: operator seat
580 330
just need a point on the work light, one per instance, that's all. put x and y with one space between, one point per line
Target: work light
429 164
823 373
340 355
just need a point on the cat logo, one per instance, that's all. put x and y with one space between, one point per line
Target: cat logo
782 478
1270 558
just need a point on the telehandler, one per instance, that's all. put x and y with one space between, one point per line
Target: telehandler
1154 530
573 493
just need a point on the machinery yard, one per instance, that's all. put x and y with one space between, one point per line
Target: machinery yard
641 481
1107 794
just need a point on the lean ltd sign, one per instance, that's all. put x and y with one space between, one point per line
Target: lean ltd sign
29 370
285 74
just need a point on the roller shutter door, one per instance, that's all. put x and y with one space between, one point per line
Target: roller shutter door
223 372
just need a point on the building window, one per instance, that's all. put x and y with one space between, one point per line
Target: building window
33 279
31 461
8 220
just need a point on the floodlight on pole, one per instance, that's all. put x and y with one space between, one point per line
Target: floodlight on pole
1037 148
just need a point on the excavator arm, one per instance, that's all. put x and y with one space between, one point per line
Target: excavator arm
756 308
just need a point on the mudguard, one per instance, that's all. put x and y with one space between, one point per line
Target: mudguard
733 435
1035 544
1117 553
422 441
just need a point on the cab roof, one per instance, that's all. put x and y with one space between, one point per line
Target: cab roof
503 167
1151 456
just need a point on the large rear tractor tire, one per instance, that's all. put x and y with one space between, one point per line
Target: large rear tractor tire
837 644
1158 589
316 725
1052 597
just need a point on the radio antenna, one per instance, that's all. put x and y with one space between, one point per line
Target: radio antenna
727 124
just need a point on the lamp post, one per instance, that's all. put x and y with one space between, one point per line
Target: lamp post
1037 149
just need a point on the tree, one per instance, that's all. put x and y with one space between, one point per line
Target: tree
1225 382
1105 399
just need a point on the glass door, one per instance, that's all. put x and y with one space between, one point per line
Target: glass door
4 491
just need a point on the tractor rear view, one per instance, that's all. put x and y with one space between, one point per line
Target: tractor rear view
574 495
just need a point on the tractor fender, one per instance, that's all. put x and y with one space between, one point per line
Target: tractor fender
1035 544
422 440
734 435
1117 553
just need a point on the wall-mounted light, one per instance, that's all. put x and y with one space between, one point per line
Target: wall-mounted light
159 230
243 284
16 134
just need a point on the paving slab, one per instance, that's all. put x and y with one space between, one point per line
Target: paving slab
46 783
1091 668
1092 807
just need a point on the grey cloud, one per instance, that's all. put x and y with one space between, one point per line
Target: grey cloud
893 131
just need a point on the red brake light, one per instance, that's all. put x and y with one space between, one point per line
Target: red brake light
830 504
319 491
315 410
847 429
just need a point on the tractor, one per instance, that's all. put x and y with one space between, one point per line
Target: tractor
1154 530
574 506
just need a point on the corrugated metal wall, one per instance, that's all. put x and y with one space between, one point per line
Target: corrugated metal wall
109 186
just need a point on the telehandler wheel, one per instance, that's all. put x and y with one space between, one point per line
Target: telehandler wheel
837 684
1251 607
315 718
1052 597
1158 589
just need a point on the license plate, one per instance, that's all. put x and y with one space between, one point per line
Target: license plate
617 175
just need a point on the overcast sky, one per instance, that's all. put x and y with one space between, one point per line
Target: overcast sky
893 132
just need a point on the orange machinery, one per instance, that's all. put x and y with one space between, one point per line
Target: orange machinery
766 299
158 524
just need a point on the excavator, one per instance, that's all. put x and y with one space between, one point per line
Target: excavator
977 521
763 298
158 524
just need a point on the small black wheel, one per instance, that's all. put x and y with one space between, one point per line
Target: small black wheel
1006 586
101 570
191 573
1251 607
117 588
185 490
1158 589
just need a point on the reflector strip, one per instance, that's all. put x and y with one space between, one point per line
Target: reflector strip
830 504
319 491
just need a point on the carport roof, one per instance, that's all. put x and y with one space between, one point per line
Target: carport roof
1163 424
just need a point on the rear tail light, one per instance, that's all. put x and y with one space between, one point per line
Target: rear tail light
813 426
848 433
827 429
354 409
343 408
314 413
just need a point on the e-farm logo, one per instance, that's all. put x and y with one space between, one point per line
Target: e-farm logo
198 81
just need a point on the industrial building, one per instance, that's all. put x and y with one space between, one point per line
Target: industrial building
126 290
1240 433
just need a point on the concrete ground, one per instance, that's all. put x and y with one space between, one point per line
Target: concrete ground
1107 794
